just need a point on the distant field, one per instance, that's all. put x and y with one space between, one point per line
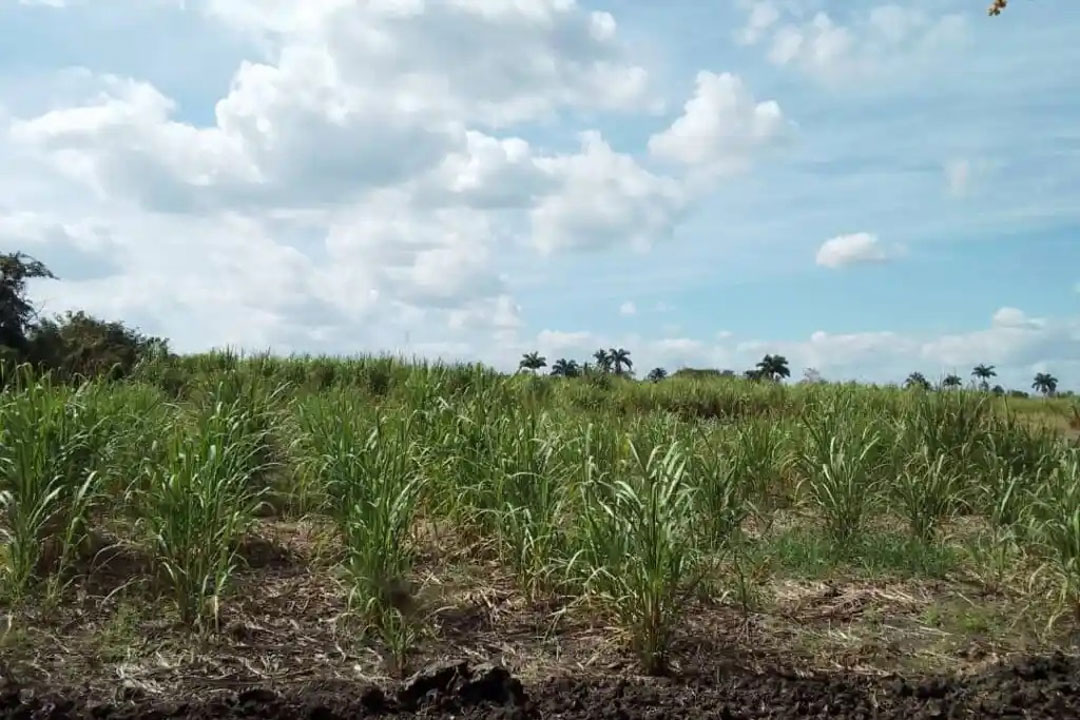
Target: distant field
288 522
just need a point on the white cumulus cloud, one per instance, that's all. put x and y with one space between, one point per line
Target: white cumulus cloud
854 249
1010 317
721 127
358 183
761 16
603 198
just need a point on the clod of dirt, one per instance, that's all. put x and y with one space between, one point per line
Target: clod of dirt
457 684
1046 687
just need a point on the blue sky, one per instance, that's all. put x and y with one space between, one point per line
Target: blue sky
867 188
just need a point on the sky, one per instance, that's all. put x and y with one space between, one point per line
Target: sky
868 189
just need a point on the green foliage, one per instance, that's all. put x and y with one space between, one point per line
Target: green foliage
703 373
723 492
842 479
16 311
367 467
952 381
604 360
532 361
48 483
983 373
71 346
77 345
1056 525
528 500
620 360
928 492
595 491
566 368
917 381
1045 383
638 543
198 503
773 367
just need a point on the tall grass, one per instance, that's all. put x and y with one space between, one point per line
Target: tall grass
927 492
368 464
624 494
763 454
531 484
198 503
48 483
1056 520
842 481
724 490
638 538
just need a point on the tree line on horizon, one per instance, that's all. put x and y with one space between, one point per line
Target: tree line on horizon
771 368
69 345
78 345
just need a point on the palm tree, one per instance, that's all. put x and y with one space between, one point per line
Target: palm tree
620 357
532 361
603 360
952 381
1045 383
565 368
917 380
656 374
773 367
983 373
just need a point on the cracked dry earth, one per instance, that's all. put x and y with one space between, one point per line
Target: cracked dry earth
1043 687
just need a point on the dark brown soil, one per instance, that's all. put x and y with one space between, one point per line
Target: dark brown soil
1047 687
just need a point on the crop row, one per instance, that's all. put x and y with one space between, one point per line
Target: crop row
636 513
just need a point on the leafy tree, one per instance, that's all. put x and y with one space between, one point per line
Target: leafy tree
657 374
532 361
984 373
998 390
752 374
952 381
78 345
16 312
603 360
917 380
1045 383
620 359
565 368
773 367
811 377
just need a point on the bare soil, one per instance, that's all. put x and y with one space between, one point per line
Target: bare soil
284 648
1033 688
